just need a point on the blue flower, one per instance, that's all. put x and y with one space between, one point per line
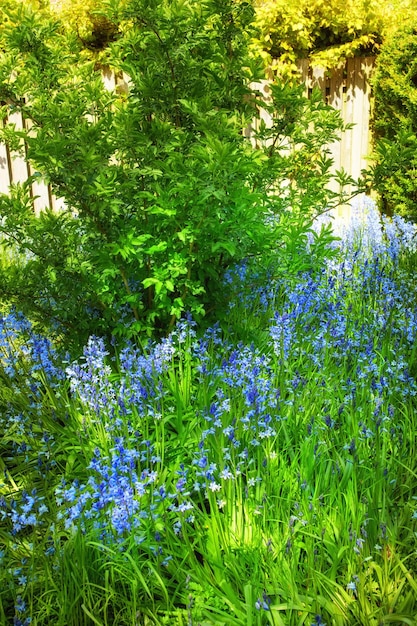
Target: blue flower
20 605
263 603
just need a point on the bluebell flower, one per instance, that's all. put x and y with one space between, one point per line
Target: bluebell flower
20 605
263 603
226 474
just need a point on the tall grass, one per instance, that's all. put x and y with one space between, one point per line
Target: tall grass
261 474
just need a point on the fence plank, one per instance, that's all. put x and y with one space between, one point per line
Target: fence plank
336 100
19 171
41 196
367 67
356 156
4 169
303 67
348 116
57 203
318 80
40 193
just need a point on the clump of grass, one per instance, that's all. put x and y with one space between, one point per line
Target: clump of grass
204 480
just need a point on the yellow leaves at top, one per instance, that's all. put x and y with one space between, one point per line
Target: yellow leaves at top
88 20
327 31
7 6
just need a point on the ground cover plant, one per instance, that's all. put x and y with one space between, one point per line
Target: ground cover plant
264 474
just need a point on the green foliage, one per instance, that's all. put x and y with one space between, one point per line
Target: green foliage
210 481
162 190
297 147
326 32
395 120
289 30
88 21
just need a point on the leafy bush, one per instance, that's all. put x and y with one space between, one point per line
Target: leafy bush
395 122
163 192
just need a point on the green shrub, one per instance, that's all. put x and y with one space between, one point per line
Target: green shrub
395 121
163 191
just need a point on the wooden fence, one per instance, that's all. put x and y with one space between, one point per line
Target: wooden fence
347 89
14 168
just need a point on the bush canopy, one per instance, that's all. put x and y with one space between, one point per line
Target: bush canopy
162 190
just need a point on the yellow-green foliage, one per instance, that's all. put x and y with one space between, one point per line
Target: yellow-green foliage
327 31
8 6
89 20
395 123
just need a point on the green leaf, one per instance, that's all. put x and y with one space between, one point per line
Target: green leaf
149 282
229 246
139 241
183 234
159 247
